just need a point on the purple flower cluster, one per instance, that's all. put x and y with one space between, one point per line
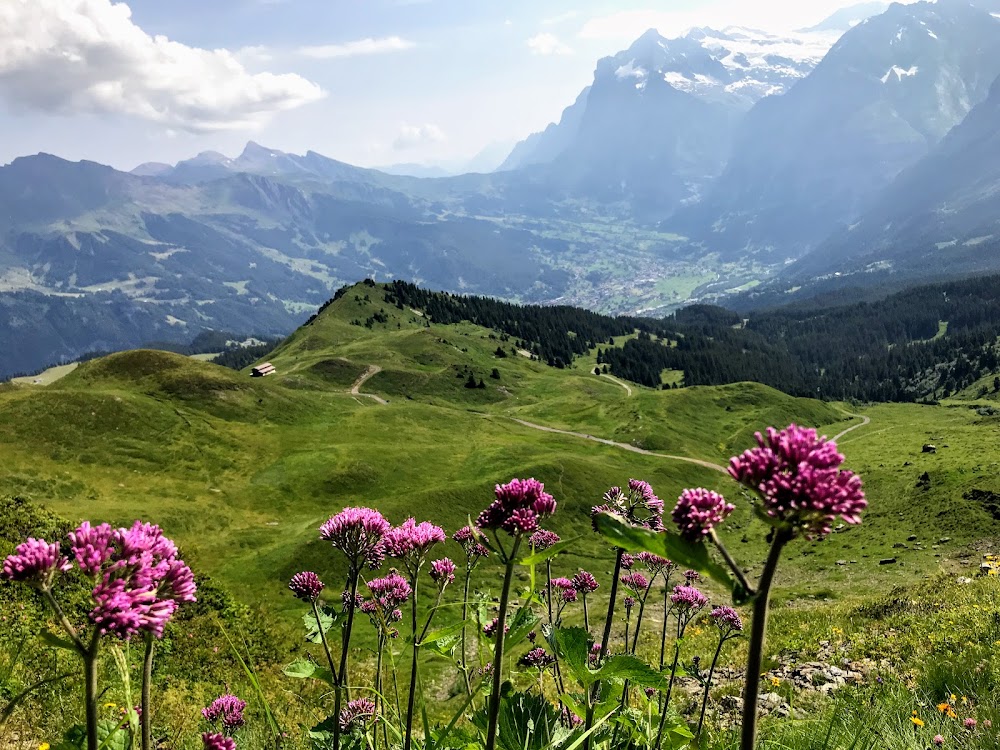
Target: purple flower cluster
637 504
566 588
410 541
585 583
797 475
357 714
543 539
537 658
226 710
387 595
474 549
655 564
212 741
628 560
34 562
490 628
692 576
727 620
360 534
636 582
443 571
688 598
139 581
306 586
698 511
519 506
629 602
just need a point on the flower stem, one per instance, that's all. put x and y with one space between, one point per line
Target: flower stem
733 566
595 692
494 709
90 686
145 718
708 685
670 685
340 677
326 643
666 619
411 698
378 691
464 663
758 629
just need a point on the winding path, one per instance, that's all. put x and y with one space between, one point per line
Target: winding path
367 375
616 380
866 420
623 446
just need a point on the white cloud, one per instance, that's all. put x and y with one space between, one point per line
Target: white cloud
561 18
87 56
412 136
369 46
548 44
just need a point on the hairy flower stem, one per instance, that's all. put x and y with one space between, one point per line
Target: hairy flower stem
733 566
666 620
464 663
145 717
586 615
340 676
595 692
708 685
326 643
411 698
548 589
89 655
670 685
758 629
378 691
494 709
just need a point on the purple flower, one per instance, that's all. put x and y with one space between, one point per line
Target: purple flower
306 586
970 724
688 598
797 475
91 546
637 582
637 504
517 508
698 511
655 564
490 628
585 583
629 602
628 560
443 571
543 539
569 718
692 576
350 602
226 710
212 741
537 658
410 541
566 589
387 595
595 654
359 533
474 549
34 562
357 714
727 620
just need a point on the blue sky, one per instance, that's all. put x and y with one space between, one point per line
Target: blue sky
371 82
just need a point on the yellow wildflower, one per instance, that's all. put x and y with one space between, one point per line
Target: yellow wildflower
110 705
44 746
917 721
775 681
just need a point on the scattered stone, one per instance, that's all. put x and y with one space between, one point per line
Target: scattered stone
944 540
899 545
887 561
841 562
911 538
928 448
963 580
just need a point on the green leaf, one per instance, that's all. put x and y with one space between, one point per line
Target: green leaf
625 667
572 645
444 633
111 736
303 669
51 639
694 555
548 554
327 619
524 622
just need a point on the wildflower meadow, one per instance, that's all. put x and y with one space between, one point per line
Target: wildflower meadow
543 664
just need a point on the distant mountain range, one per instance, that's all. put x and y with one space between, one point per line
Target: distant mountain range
717 163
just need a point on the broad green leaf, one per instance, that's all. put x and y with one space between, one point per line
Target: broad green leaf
51 639
572 645
686 554
524 622
111 736
327 619
303 669
442 633
625 667
548 554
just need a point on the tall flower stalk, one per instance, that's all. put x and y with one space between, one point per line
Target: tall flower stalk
730 626
359 533
517 508
468 538
386 596
137 584
687 603
639 506
409 543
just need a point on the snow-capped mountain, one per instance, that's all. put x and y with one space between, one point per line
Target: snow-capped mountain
812 160
733 68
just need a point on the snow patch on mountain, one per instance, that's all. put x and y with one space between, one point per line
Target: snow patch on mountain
899 73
